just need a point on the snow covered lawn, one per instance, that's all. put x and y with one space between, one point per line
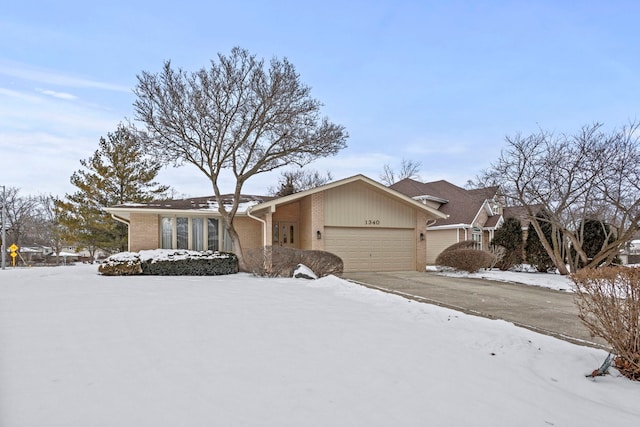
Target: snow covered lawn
79 349
545 280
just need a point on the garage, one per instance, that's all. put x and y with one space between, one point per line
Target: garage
372 249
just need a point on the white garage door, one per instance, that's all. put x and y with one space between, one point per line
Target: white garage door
372 249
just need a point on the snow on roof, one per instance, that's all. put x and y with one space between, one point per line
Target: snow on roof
206 203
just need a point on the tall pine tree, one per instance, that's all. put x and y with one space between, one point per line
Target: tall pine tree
118 172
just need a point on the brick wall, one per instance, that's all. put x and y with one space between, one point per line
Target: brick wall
144 232
250 232
317 221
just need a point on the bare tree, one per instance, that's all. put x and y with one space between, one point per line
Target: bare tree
408 169
49 231
237 115
21 213
574 178
294 181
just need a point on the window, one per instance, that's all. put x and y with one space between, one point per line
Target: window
166 234
195 233
182 233
477 239
213 243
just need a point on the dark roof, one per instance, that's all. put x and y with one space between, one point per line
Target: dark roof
462 205
492 221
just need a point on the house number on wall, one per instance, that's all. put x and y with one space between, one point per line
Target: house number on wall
371 222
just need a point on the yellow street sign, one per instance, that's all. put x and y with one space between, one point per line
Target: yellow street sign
13 254
13 247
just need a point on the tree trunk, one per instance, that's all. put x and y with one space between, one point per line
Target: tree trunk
556 257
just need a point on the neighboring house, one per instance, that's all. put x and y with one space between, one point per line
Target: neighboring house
471 214
370 226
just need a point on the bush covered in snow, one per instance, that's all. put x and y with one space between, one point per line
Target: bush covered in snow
462 256
279 261
170 262
608 301
128 265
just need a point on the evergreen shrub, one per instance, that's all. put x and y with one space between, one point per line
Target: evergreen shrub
170 263
222 263
131 267
509 237
536 254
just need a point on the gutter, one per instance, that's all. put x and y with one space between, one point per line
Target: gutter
120 219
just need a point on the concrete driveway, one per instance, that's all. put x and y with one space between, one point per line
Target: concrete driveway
540 309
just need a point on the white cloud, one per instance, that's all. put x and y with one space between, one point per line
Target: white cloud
60 95
19 95
27 72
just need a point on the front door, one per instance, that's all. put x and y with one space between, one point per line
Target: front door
285 234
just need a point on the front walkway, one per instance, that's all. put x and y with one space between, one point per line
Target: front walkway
540 309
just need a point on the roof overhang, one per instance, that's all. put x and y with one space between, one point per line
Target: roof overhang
123 213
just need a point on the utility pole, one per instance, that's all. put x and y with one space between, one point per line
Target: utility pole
3 225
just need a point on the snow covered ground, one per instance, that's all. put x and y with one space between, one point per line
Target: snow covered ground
79 349
546 280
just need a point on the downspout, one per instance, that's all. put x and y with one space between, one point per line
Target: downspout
264 225
265 263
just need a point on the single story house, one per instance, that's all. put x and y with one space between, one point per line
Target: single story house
370 226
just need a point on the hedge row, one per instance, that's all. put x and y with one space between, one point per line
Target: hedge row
170 263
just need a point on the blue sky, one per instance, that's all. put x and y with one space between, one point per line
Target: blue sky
440 82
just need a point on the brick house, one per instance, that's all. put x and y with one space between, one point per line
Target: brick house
370 226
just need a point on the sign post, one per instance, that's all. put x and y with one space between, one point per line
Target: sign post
14 249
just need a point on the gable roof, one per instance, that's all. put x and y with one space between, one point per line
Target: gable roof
403 198
461 205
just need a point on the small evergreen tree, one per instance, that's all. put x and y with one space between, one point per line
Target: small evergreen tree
118 172
509 236
536 255
594 235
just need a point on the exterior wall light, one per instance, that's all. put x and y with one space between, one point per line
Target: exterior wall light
318 235
421 237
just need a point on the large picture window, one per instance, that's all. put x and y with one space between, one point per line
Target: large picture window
213 242
197 234
194 233
166 233
182 233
